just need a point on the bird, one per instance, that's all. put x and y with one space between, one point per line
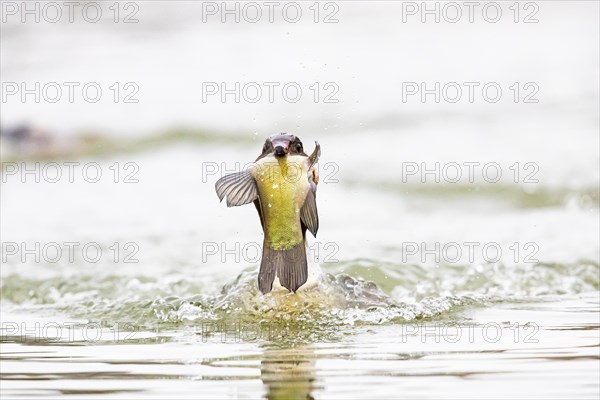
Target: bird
282 184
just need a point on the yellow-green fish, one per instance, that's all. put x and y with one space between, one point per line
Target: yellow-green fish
282 183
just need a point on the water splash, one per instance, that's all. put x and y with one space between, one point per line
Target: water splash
353 293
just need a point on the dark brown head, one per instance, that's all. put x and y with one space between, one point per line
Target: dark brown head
282 145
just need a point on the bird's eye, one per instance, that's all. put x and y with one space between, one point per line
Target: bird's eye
299 147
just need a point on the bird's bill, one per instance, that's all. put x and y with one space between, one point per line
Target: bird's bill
281 145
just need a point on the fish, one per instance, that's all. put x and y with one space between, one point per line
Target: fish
282 184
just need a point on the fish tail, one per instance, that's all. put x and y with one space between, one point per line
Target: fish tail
290 266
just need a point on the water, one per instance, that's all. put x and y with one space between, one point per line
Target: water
171 307
183 322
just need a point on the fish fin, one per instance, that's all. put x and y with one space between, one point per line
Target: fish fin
268 269
308 213
290 266
257 205
239 188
